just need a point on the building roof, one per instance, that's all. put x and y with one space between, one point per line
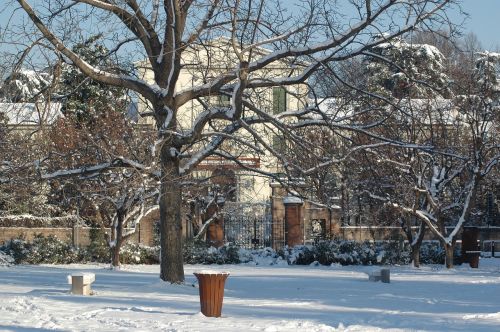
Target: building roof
29 114
432 110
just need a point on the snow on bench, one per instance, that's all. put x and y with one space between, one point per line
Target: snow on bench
383 275
80 283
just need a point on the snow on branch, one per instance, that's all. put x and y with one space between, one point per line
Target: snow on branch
93 72
119 162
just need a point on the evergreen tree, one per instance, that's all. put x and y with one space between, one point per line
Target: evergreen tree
399 69
85 98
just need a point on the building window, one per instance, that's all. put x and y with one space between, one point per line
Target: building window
225 182
279 143
223 101
279 100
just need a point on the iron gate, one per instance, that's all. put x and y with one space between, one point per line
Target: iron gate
254 232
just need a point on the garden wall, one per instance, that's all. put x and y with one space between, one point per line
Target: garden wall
68 229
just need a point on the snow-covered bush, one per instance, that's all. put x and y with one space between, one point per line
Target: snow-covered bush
347 253
6 259
199 252
42 250
98 249
51 250
16 248
433 253
362 253
266 256
133 253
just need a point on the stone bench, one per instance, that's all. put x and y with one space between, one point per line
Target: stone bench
80 283
383 275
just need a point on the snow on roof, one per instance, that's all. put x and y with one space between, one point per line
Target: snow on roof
334 106
31 113
292 200
133 113
433 109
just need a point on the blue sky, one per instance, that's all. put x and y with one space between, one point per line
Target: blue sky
484 21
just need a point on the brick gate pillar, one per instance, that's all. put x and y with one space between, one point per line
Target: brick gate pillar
215 232
294 228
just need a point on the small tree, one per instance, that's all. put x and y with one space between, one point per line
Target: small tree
118 188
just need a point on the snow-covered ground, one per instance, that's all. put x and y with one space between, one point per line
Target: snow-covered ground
257 298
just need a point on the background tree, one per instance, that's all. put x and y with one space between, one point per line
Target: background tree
83 97
445 179
118 189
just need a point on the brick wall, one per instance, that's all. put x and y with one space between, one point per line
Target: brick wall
78 236
8 233
67 229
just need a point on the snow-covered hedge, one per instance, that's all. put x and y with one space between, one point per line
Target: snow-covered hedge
5 259
324 253
362 253
348 253
50 250
29 221
198 252
132 253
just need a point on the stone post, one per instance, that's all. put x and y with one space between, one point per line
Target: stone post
76 235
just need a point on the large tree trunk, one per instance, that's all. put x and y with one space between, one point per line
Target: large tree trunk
115 255
171 261
415 254
415 248
448 255
118 239
414 244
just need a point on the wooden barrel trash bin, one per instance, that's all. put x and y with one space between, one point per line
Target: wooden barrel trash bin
211 285
473 257
470 246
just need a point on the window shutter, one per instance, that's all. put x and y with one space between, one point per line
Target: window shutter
223 100
279 100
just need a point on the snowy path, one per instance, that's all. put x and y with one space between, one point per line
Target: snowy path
257 299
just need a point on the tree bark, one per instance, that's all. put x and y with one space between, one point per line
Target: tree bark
415 254
118 237
448 255
171 260
115 255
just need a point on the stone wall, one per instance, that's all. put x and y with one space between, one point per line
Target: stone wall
78 234
366 233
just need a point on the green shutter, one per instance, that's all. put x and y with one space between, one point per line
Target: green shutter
223 100
278 143
279 100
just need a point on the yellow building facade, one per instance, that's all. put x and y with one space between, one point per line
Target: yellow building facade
204 63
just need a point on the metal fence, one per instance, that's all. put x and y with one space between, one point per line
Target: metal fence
254 232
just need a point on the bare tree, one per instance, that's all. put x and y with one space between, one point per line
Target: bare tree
119 188
304 38
439 187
